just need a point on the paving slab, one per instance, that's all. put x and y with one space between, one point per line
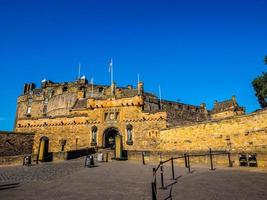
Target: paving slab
127 180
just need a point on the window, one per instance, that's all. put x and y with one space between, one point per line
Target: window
46 100
29 110
30 101
94 136
65 89
129 129
101 89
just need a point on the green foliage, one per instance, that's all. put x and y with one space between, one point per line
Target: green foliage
260 87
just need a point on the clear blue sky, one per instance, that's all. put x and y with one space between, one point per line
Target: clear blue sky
198 51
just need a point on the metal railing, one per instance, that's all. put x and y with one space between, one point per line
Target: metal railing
186 157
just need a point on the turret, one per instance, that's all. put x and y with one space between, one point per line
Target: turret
28 87
140 88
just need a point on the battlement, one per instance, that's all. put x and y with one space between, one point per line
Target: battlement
62 99
227 108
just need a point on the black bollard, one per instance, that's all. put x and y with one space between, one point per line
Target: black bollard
211 162
27 160
185 160
229 160
92 161
161 176
89 161
154 192
143 158
155 177
188 163
173 177
107 157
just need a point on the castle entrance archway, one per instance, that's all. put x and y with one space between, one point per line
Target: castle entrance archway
43 149
109 137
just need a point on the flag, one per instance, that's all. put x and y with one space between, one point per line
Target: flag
110 65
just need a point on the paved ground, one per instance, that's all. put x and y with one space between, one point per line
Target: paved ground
126 180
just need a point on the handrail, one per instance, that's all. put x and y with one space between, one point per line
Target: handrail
186 158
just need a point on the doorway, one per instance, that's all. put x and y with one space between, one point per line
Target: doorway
109 137
43 149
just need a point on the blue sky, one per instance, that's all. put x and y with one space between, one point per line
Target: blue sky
198 51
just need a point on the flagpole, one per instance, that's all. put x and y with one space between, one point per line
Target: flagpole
79 71
111 71
160 96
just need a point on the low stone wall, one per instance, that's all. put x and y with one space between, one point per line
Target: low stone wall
13 143
154 157
11 160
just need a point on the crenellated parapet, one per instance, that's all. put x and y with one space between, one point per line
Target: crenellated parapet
62 121
112 102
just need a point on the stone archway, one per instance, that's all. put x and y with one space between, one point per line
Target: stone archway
43 148
109 136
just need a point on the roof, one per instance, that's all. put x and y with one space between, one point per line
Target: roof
80 103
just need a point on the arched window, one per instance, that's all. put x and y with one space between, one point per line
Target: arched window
129 129
94 136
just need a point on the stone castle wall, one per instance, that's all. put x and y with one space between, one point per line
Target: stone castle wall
13 144
76 128
247 133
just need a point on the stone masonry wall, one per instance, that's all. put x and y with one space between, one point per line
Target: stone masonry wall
76 129
13 144
247 133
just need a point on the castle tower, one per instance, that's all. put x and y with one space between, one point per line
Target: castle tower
140 88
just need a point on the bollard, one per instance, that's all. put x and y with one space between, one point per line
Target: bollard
143 158
100 157
27 160
188 163
161 176
107 157
89 161
229 160
185 160
211 162
173 177
155 178
154 192
92 160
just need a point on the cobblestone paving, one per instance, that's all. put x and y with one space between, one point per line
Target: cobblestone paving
69 180
41 172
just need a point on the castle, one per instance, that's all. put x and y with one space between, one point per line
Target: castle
75 115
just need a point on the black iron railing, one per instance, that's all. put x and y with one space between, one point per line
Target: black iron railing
186 157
